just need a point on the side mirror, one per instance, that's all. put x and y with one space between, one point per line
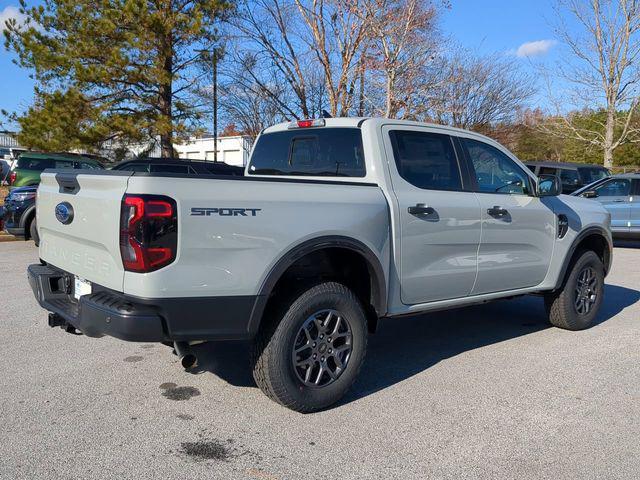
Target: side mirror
549 186
590 194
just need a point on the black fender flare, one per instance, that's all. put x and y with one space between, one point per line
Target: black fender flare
587 232
378 283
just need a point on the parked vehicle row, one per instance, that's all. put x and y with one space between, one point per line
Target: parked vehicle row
18 214
620 195
31 164
572 175
335 224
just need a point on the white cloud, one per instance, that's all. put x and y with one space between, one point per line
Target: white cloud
534 49
11 12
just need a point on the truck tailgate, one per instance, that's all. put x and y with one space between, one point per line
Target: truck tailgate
87 243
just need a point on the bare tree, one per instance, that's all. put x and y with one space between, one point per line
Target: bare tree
478 92
404 43
337 31
604 70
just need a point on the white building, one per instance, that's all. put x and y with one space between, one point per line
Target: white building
232 150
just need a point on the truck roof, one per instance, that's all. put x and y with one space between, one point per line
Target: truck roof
355 122
547 163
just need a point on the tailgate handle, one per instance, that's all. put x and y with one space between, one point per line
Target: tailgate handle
68 183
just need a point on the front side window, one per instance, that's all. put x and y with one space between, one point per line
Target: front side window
62 164
426 160
618 187
158 168
328 152
569 178
495 171
88 165
548 171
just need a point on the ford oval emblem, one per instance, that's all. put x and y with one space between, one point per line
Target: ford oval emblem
64 213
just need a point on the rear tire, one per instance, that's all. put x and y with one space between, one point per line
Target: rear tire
308 353
576 304
33 232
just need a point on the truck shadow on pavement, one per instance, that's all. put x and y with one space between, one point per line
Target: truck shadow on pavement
406 346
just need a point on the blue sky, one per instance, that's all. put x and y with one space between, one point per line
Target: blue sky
482 26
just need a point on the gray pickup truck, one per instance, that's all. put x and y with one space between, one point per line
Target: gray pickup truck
336 224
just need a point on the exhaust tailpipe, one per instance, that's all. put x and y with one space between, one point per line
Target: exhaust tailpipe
187 358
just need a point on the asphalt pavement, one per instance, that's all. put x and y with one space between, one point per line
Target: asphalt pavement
482 392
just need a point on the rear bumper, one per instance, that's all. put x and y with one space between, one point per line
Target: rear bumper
114 314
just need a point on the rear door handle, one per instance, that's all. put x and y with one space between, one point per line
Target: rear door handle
497 211
619 201
421 209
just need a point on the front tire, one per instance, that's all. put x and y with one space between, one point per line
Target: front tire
576 304
307 356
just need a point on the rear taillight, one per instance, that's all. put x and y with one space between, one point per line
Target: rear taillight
148 232
12 178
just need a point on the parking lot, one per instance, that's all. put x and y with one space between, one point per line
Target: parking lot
482 392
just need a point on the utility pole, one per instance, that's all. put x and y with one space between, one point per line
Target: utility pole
215 105
214 59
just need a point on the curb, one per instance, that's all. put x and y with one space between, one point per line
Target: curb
5 237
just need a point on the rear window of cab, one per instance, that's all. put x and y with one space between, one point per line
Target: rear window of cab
324 152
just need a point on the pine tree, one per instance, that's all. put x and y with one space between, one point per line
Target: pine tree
108 68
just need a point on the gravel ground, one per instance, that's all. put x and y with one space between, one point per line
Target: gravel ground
480 392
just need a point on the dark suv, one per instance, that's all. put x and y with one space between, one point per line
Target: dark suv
176 165
572 175
19 213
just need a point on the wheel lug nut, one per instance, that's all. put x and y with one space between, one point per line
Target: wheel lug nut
321 335
329 339
322 359
314 344
330 351
315 355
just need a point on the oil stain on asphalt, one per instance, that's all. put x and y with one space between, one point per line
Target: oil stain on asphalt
174 392
133 359
206 450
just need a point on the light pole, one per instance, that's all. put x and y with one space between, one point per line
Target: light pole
214 59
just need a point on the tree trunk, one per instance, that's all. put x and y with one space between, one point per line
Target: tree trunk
608 138
166 99
389 96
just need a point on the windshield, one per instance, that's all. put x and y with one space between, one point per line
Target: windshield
592 174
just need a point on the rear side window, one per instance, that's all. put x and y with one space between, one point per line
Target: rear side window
591 174
327 152
426 160
39 164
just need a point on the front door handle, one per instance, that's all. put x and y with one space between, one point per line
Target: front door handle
421 209
619 201
497 211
